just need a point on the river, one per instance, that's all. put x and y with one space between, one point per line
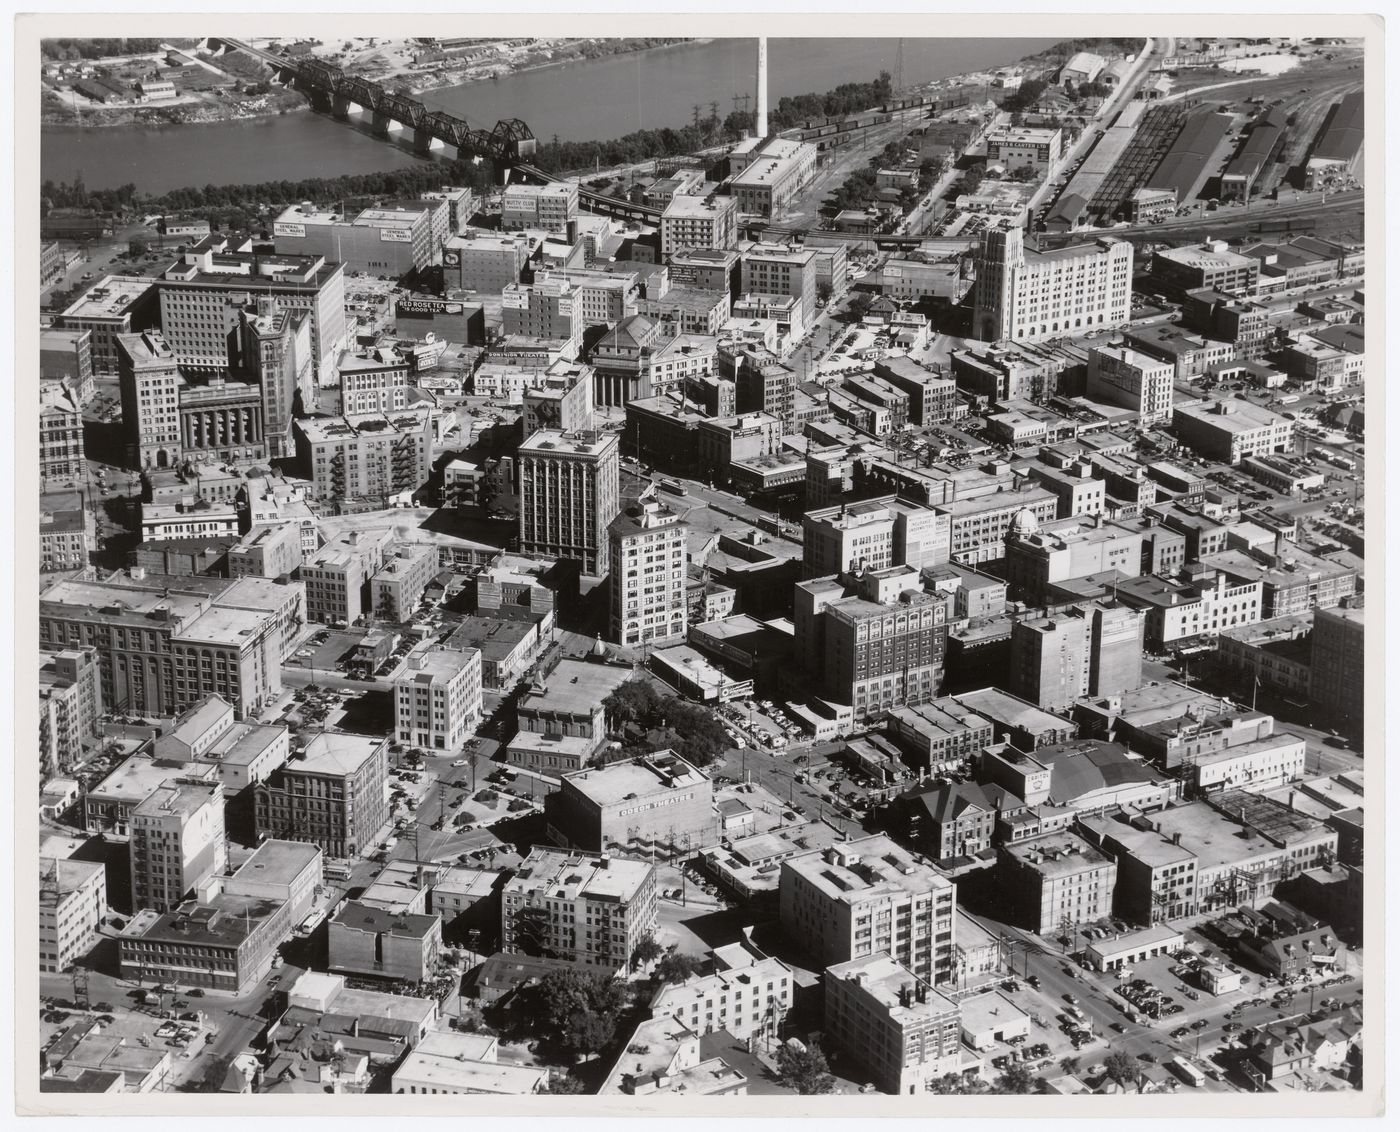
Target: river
597 98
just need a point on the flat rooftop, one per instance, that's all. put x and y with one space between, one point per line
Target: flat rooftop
222 921
278 862
436 665
640 778
1244 416
136 779
1058 854
111 297
576 687
573 876
549 441
333 752
1007 710
878 867
883 980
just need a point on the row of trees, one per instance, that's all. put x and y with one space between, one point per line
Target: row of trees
64 50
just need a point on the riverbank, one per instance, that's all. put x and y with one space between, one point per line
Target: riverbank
280 101
658 92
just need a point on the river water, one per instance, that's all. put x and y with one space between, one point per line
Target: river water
598 98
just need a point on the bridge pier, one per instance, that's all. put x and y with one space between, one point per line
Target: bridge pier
321 100
381 123
340 106
423 141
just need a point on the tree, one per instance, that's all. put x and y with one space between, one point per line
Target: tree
1069 1066
804 1070
1015 1079
565 1085
1121 1069
580 1008
646 950
675 967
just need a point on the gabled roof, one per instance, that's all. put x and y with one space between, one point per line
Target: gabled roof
949 801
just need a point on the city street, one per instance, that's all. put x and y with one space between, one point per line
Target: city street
1094 993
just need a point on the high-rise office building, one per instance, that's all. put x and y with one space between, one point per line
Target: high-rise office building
150 382
569 493
648 556
1029 296
872 640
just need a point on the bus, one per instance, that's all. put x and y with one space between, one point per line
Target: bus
673 486
1187 1072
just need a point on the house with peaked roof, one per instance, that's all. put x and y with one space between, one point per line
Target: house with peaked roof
947 819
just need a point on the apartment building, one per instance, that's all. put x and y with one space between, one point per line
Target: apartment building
1131 380
397 587
694 222
72 904
177 842
893 1023
334 795
337 576
70 706
1057 880
437 697
569 494
870 897
1025 296
748 996
647 550
375 456
591 910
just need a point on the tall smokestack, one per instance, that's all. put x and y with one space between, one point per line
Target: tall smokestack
761 112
